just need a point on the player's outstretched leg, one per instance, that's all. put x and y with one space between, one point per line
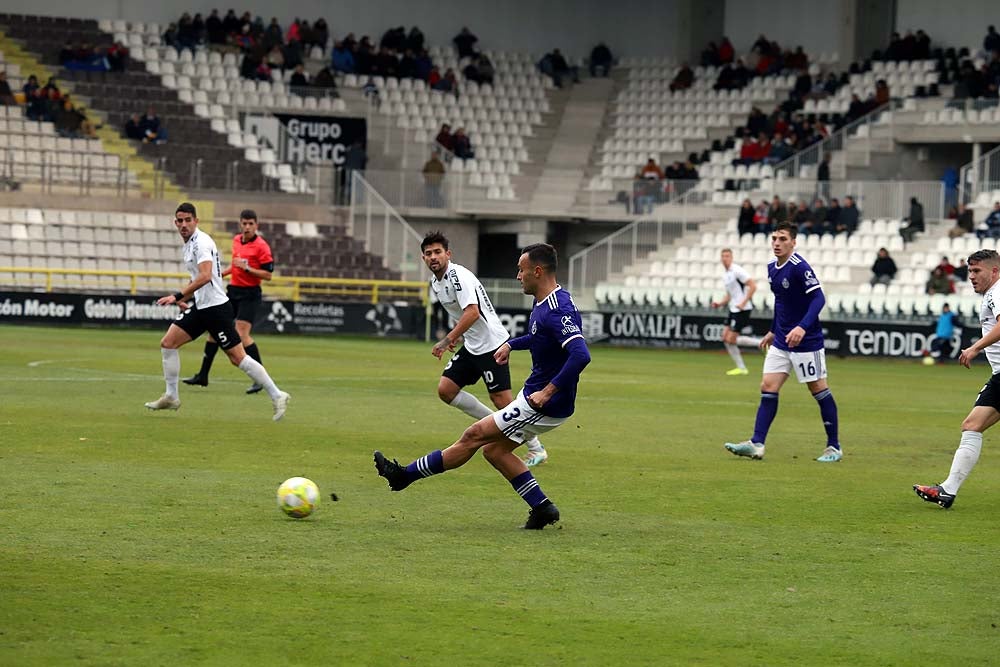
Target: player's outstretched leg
200 379
254 353
400 477
935 494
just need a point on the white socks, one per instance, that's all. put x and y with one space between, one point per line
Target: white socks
470 405
257 373
171 369
748 341
965 458
534 446
734 352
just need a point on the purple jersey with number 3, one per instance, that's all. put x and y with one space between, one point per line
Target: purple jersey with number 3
794 284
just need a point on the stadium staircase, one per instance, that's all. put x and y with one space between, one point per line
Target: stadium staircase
13 32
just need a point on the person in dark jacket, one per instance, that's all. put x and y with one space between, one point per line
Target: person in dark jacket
915 220
847 221
884 268
745 224
963 223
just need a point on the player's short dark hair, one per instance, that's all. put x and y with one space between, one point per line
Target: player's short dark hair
790 227
248 214
543 255
984 255
434 237
187 207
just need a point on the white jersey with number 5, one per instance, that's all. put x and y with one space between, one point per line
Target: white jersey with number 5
201 248
735 279
988 320
458 289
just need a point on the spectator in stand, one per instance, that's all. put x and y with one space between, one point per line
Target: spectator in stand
484 69
710 56
884 268
275 58
939 283
963 223
198 28
447 83
341 58
299 79
415 40
726 51
434 78
324 79
231 23
817 216
803 83
407 65
294 31
150 126
320 34
133 129
371 93
946 267
170 36
244 41
832 216
762 218
292 53
776 213
990 227
991 43
433 172
683 79
745 223
689 171
961 273
117 57
465 43
445 139
780 150
856 109
67 53
802 217
263 71
823 176
651 170
6 94
462 145
600 59
214 31
847 221
424 65
915 220
67 120
881 92
561 68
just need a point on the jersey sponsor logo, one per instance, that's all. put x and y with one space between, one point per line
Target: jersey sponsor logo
810 279
534 328
569 327
453 274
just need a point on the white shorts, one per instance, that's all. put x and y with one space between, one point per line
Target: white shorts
519 421
808 366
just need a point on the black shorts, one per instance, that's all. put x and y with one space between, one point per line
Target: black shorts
465 369
246 302
738 321
989 395
217 321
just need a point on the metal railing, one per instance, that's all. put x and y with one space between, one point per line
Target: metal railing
384 231
609 256
49 169
980 176
860 129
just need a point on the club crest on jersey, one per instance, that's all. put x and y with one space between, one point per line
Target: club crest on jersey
784 283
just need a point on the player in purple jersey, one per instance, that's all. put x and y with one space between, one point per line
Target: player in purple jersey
558 355
796 345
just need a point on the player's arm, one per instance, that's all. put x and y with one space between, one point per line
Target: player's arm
203 278
469 316
971 352
577 358
751 290
721 302
502 355
816 303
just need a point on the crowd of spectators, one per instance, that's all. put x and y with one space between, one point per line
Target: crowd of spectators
555 66
48 103
85 57
243 33
821 218
457 143
655 185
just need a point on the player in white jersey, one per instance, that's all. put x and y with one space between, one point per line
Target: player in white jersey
475 323
984 274
210 312
740 288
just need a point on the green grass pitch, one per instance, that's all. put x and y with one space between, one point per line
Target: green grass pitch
136 538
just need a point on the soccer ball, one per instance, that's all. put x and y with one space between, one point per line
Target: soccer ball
298 497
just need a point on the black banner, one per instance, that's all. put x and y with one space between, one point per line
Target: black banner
279 317
667 330
301 138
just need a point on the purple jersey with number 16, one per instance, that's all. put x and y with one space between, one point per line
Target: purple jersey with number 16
795 286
